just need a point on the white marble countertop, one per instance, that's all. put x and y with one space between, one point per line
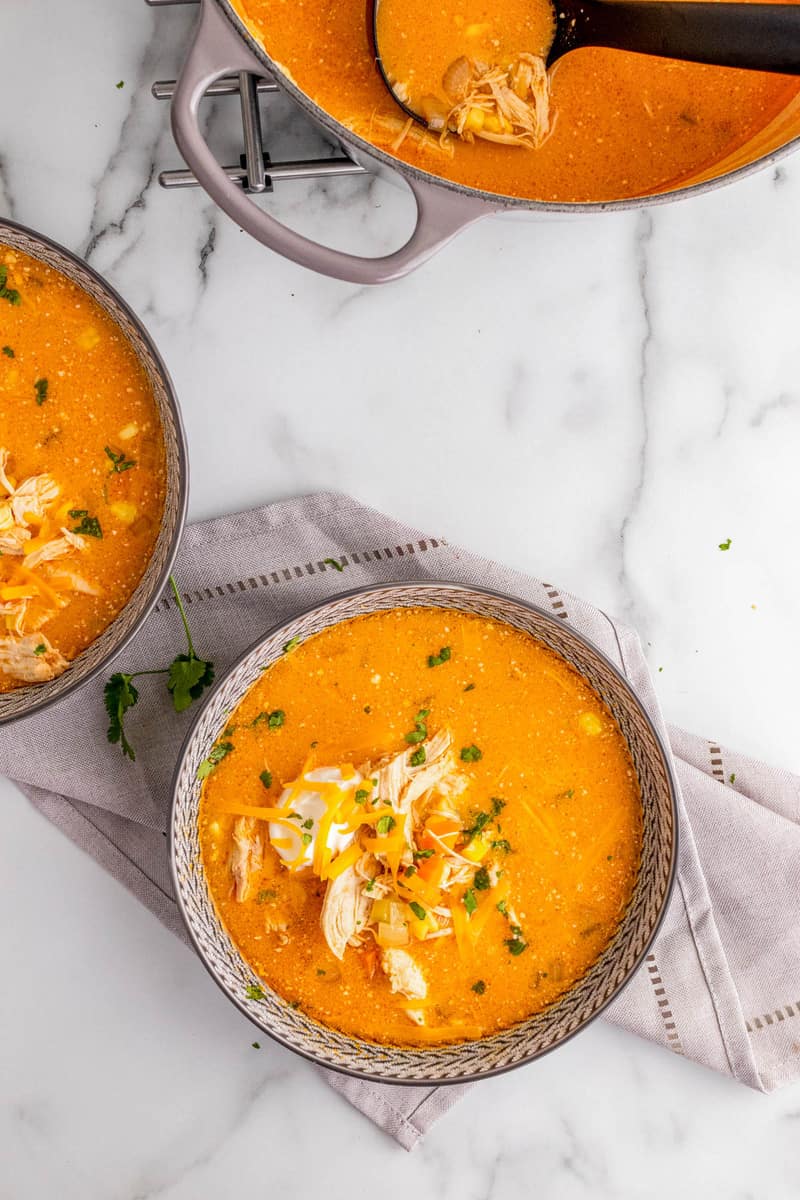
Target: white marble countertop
600 401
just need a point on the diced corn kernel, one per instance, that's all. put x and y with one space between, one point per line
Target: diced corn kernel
476 118
128 431
88 338
590 723
477 30
477 849
124 511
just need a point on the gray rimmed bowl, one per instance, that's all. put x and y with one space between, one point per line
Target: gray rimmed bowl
468 1060
31 698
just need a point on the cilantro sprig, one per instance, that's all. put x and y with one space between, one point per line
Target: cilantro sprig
188 675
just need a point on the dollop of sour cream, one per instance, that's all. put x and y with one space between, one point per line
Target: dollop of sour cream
310 806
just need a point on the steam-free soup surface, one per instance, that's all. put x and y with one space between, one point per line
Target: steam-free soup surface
82 470
620 124
420 826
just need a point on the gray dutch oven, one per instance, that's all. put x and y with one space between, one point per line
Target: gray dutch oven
223 45
31 698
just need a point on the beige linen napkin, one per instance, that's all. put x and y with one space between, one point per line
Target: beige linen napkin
722 983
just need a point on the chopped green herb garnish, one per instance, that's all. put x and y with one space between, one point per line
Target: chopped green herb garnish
215 757
726 545
291 645
470 902
370 886
306 839
385 824
320 970
418 910
424 853
40 388
471 753
731 780
367 709
119 462
410 870
502 907
420 730
609 858
418 757
361 796
308 823
276 718
119 695
266 894
331 562
121 84
7 293
470 687
266 778
481 880
444 655
515 945
255 1045
479 987
9 353
87 525
502 844
254 992
40 649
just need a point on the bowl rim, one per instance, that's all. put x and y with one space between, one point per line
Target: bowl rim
490 594
182 480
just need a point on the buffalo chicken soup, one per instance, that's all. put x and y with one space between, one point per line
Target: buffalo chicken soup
82 470
420 826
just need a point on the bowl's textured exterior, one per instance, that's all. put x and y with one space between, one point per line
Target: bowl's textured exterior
513 1046
31 698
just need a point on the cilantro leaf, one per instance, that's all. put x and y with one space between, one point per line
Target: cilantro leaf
470 902
384 825
254 992
188 678
479 987
418 910
119 695
215 757
726 545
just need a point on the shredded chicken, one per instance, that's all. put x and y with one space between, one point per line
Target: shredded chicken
64 578
404 974
509 105
246 855
32 497
344 911
55 548
31 658
401 785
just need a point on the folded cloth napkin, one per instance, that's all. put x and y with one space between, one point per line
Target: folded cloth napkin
722 982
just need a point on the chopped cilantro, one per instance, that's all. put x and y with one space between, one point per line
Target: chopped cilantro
9 353
385 824
471 753
266 894
502 844
331 562
254 992
119 85
418 757
470 902
361 796
306 839
409 870
87 525
291 645
444 655
470 687
119 462
273 720
320 970
731 780
40 649
726 545
266 778
479 987
424 853
215 757
515 945
255 1045
7 293
370 886
481 880
418 910
502 907
40 387
308 823
367 709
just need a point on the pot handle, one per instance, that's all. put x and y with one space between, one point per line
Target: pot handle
218 50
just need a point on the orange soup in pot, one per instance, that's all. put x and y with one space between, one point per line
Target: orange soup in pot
82 470
420 826
601 125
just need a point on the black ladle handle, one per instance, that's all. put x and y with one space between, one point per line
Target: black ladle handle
763 37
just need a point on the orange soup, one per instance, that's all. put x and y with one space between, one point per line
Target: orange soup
617 124
420 826
82 470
